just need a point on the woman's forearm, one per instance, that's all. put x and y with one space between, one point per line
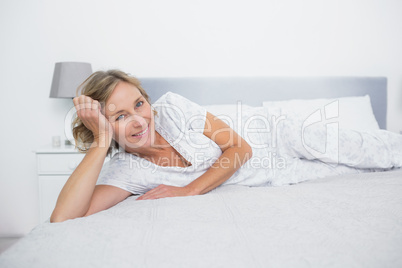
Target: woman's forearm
223 168
75 197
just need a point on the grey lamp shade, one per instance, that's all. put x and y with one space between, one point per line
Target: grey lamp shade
67 77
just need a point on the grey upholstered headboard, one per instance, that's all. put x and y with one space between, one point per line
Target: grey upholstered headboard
255 90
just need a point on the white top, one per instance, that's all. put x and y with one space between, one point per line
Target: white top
283 151
181 123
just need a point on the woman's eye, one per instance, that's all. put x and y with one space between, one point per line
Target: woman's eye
120 117
139 104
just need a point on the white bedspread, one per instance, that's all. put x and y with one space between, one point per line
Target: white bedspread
348 221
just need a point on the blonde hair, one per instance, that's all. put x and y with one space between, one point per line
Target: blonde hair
99 86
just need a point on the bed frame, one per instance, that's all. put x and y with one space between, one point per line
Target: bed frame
229 90
347 220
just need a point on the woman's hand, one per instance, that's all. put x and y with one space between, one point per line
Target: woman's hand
163 191
89 111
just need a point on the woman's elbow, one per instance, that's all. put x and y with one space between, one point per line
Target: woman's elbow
55 217
245 152
248 151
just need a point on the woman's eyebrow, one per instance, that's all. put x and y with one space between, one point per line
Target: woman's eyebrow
113 114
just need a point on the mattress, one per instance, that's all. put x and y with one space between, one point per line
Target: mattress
341 221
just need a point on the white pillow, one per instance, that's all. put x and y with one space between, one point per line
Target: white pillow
352 112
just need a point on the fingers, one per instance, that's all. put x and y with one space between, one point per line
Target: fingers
163 191
95 105
89 111
86 107
156 193
85 102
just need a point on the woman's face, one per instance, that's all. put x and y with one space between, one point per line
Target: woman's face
131 117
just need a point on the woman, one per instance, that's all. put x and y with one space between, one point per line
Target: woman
177 148
126 117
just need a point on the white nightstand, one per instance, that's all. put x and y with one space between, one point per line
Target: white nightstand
55 165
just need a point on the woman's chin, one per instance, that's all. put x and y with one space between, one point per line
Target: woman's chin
134 143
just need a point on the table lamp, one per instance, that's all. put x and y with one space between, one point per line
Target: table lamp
67 76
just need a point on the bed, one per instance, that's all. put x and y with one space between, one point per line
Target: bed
352 220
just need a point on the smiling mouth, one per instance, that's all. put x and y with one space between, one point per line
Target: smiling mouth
142 133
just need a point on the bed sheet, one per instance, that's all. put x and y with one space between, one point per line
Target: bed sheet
341 221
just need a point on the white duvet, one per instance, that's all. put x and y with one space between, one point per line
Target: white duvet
341 221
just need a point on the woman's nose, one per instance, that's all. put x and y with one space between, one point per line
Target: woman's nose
137 121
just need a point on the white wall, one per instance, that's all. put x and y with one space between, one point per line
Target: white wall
173 38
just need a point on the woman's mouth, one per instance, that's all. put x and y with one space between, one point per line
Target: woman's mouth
142 133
